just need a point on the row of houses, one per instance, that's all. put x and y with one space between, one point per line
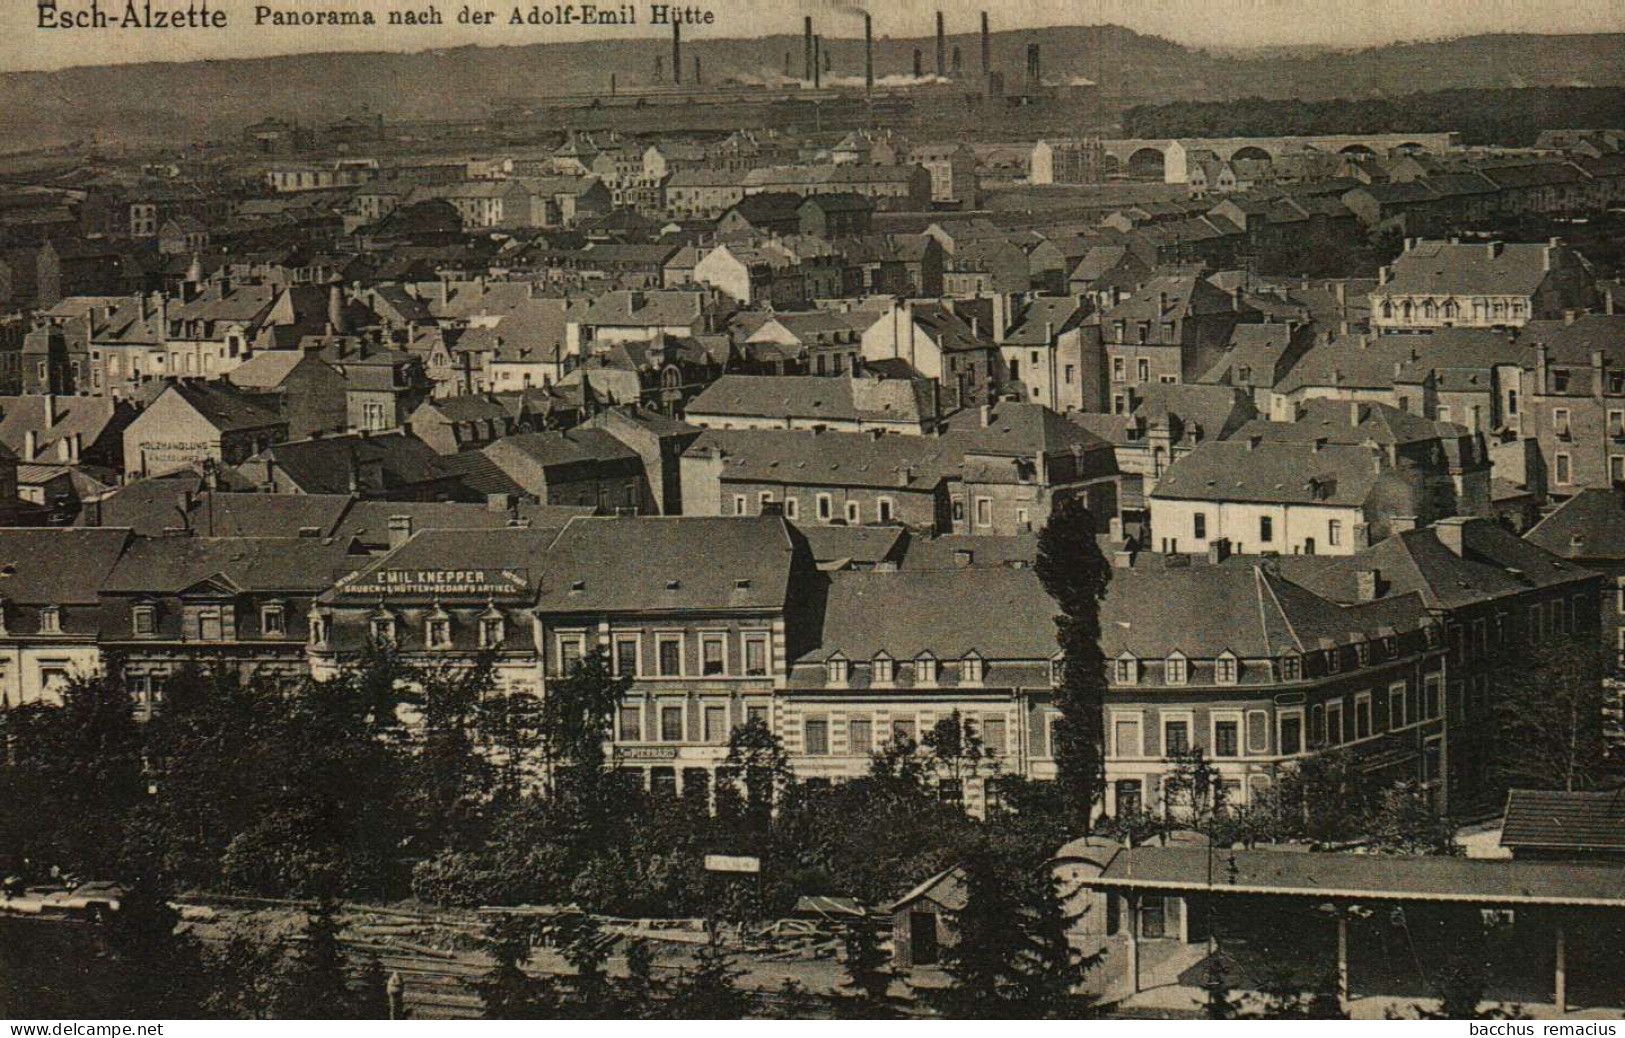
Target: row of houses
719 621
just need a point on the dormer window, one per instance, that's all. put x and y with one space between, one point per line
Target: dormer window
1362 652
1390 646
437 630
1226 669
492 634
383 630
1334 660
1126 670
144 620
1176 669
836 670
50 620
925 669
1291 667
273 620
1433 636
1057 669
883 668
971 669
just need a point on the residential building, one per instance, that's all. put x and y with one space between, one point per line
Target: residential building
1172 330
50 615
192 422
576 467
1438 284
834 404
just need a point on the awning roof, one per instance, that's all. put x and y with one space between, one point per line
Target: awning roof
1370 877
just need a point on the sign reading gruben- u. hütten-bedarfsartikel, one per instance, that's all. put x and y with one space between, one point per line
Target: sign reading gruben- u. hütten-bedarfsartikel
438 582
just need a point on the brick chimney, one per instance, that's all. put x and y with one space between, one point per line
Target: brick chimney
1451 532
400 530
1368 584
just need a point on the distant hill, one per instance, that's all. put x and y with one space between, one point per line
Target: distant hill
176 102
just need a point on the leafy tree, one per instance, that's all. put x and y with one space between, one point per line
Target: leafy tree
451 782
1551 708
1404 822
1075 573
69 775
956 755
578 714
709 990
757 760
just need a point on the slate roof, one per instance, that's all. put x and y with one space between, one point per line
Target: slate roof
324 465
639 309
1171 296
1550 819
836 546
558 449
223 408
911 612
1442 268
1589 525
1043 317
684 563
90 417
1494 563
51 566
1348 422
172 564
1275 472
518 550
800 396
265 370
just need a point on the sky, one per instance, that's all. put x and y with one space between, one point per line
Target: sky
1199 23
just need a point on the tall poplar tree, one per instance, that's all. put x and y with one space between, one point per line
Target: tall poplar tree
1074 571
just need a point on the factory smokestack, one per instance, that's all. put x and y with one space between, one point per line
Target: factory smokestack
807 48
818 73
942 48
786 64
677 52
697 79
660 68
1035 67
987 47
868 53
919 69
958 63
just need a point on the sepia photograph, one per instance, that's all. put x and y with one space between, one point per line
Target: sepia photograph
811 510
